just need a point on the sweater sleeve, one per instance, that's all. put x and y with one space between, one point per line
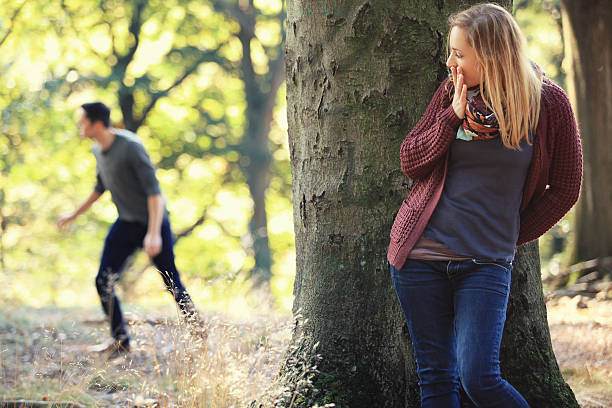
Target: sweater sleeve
565 173
431 138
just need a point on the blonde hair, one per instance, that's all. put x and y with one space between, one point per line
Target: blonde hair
512 85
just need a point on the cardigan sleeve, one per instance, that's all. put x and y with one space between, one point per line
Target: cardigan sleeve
565 173
431 137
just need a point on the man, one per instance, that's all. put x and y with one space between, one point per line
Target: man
124 168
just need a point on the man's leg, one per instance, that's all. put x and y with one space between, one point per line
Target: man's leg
164 262
119 244
424 291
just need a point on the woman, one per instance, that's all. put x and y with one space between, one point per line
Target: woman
495 161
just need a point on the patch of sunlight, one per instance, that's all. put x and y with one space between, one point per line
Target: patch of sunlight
269 6
178 13
184 206
238 307
282 222
208 233
218 165
268 32
232 50
214 108
106 212
34 72
232 207
150 27
235 258
100 40
280 117
150 52
52 48
24 192
175 112
10 236
233 111
279 135
197 170
260 58
168 177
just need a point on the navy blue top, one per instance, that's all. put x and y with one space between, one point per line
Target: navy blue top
478 212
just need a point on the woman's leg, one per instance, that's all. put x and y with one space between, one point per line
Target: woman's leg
426 297
481 298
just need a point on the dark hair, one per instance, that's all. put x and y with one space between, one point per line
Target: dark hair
97 111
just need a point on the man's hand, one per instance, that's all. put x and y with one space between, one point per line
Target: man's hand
64 220
459 99
152 244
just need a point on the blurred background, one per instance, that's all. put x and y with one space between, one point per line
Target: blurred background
202 84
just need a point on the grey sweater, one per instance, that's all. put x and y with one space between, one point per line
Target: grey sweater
125 169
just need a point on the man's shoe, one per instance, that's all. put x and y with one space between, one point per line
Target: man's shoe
114 349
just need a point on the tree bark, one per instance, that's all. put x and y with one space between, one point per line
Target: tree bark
359 75
588 47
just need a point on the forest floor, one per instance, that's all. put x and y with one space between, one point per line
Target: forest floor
44 356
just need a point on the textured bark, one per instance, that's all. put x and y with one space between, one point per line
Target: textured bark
359 76
588 47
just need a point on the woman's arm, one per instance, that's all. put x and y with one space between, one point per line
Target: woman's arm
565 175
432 136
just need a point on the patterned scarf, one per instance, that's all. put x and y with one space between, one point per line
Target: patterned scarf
477 125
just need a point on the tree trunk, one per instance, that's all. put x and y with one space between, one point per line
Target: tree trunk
588 47
359 76
257 154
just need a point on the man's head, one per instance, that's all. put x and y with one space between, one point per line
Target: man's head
94 117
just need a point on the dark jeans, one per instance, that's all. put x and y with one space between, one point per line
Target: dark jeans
122 240
455 311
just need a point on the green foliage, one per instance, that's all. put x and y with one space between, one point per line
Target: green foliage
169 69
540 21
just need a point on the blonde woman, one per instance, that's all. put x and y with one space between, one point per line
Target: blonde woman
496 161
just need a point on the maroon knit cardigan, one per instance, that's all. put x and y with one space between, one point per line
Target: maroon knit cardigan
551 188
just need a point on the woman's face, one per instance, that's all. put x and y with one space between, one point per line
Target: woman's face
463 56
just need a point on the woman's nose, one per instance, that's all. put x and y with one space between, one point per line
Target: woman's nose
450 61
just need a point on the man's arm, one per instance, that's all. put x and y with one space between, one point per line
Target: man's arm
64 220
152 243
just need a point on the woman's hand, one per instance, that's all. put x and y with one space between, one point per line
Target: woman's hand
459 99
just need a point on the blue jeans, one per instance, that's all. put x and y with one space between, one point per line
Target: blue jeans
122 240
455 311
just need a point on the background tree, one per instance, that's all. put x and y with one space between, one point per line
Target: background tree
588 48
177 73
190 36
359 75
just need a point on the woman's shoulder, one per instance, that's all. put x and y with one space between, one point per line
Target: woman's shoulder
553 93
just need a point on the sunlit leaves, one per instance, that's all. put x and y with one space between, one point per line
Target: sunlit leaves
184 78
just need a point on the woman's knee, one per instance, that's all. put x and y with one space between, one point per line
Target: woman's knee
479 385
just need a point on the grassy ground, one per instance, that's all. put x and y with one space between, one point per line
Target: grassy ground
43 356
581 332
166 368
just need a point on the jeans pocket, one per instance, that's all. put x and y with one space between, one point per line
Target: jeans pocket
506 266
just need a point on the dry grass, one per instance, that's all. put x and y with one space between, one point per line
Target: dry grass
43 356
581 333
166 368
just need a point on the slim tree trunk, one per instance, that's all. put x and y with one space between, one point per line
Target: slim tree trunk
588 47
359 76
